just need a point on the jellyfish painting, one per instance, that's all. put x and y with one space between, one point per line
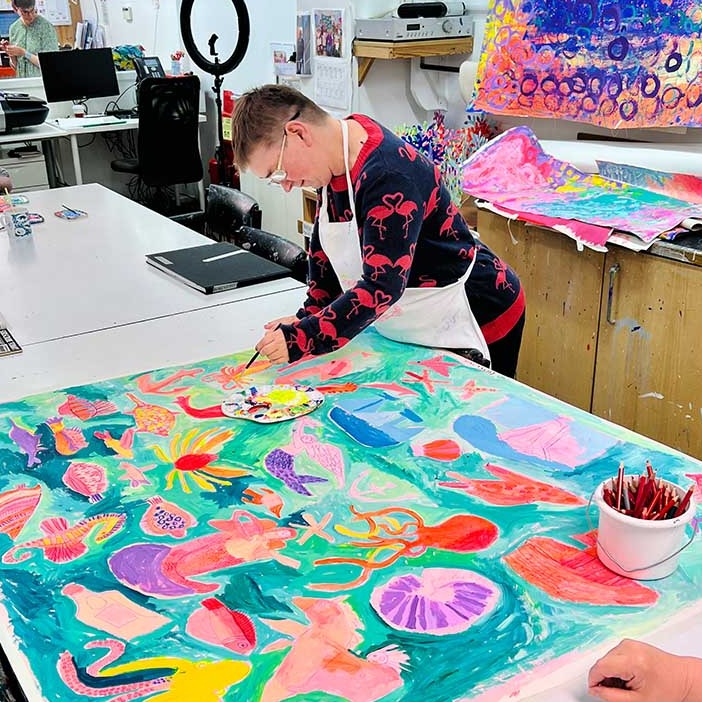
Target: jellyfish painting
436 601
394 532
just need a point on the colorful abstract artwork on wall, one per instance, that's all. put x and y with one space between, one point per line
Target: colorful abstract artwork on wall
619 64
153 548
515 175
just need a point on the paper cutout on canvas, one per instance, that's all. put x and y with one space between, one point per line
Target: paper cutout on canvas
28 442
113 612
681 186
17 507
174 678
616 65
88 479
217 624
322 659
80 408
514 171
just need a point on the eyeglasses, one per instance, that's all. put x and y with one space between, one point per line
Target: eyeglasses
27 13
280 175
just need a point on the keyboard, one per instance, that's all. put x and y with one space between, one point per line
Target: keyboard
77 122
121 114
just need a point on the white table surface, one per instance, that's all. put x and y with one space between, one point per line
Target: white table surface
38 132
133 348
78 276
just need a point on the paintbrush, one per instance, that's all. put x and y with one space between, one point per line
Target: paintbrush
251 360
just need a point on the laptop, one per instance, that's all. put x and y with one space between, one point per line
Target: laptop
216 267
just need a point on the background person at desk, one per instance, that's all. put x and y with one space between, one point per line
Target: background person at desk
5 181
29 35
388 245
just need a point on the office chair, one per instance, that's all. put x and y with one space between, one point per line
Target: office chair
227 210
168 150
275 248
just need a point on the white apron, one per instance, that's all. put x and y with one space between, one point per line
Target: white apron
439 317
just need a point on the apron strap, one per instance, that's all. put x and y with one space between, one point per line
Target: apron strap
323 215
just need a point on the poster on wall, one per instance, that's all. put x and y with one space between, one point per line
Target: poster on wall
56 11
303 50
283 58
616 65
332 66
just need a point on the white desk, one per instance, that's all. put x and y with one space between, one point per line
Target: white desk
134 348
119 125
39 132
73 277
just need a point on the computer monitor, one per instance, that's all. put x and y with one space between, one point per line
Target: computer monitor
79 74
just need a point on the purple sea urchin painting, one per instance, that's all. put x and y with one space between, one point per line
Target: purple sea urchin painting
437 601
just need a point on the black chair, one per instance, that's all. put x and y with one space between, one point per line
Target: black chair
168 150
275 248
227 210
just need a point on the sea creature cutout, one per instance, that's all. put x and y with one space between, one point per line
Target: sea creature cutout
165 571
68 440
236 377
326 455
265 497
440 365
424 379
80 408
315 528
113 612
17 507
153 419
337 388
321 658
570 574
510 488
281 464
160 679
551 441
163 518
147 385
367 487
135 475
192 456
63 543
326 370
216 624
89 479
470 389
397 532
439 450
436 601
212 412
123 446
28 442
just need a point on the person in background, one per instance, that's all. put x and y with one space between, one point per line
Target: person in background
29 35
388 246
637 672
5 182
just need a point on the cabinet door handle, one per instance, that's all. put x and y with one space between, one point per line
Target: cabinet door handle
613 270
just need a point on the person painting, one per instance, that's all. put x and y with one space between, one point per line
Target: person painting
388 245
29 35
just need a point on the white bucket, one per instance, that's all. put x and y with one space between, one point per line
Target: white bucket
641 549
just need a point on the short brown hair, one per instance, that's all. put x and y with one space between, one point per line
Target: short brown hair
24 4
260 115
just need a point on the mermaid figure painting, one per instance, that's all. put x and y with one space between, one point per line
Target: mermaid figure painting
153 549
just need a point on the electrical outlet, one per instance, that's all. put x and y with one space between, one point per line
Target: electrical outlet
127 13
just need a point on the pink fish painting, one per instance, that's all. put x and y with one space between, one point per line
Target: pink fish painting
216 624
16 508
81 408
89 479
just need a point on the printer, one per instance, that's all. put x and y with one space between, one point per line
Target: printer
21 110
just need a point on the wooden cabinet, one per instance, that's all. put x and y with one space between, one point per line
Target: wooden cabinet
562 287
648 374
615 334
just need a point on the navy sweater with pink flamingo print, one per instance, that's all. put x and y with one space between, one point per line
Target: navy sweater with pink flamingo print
411 234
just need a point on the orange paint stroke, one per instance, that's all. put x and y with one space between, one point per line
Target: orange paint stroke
510 488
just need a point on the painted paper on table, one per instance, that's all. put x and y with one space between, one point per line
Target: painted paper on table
682 186
616 64
514 172
151 548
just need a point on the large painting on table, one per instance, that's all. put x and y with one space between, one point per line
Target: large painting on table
152 548
617 64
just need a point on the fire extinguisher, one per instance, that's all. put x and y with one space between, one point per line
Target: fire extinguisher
231 173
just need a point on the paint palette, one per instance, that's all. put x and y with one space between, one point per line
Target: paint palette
272 403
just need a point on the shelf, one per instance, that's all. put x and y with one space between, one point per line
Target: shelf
366 51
